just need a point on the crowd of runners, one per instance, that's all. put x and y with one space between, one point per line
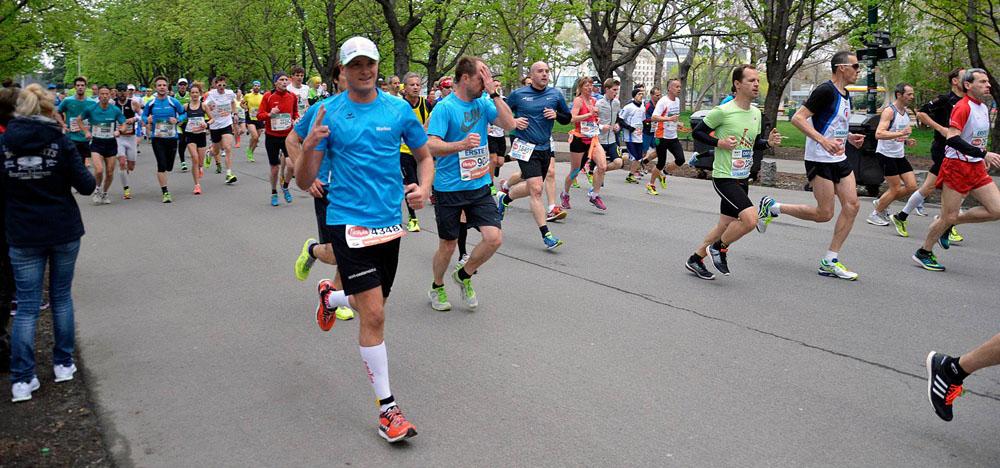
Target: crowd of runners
366 148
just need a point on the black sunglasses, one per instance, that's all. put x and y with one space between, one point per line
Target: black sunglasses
856 66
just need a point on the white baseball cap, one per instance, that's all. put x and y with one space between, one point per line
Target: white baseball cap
182 80
131 87
357 46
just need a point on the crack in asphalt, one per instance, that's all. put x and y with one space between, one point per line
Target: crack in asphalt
654 300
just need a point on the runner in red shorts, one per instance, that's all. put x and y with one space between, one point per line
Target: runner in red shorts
964 169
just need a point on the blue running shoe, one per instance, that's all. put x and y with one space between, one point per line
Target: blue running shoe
274 199
288 195
502 204
551 242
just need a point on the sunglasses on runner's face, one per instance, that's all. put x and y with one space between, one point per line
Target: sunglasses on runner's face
856 66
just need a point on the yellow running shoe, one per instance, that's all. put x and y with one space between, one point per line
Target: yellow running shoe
651 189
663 181
305 261
344 313
954 236
413 225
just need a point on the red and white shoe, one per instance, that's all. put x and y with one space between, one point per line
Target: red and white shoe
325 316
393 426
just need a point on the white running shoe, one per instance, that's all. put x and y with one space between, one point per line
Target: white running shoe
919 210
96 197
876 219
64 373
106 198
21 391
462 261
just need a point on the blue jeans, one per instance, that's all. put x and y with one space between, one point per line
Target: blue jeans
29 274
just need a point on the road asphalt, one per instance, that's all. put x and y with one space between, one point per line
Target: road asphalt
203 348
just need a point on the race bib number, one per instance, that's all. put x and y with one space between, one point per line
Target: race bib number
303 105
494 131
637 133
742 161
253 113
103 130
590 129
979 139
840 134
74 125
360 236
521 150
474 163
196 125
164 130
280 122
222 111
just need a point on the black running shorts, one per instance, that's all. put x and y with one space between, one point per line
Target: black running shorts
479 206
364 268
734 194
833 172
894 166
217 133
498 145
536 166
200 140
107 147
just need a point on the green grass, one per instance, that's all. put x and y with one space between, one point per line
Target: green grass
795 138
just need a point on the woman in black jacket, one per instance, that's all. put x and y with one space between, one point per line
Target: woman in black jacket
43 227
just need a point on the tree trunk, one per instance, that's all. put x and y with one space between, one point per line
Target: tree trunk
659 57
976 59
684 67
625 73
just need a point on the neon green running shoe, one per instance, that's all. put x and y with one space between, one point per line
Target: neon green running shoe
344 313
576 184
954 236
413 225
305 261
167 198
590 179
900 226
439 299
663 181
468 293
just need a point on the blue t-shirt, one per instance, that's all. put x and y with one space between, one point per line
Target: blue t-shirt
104 118
72 108
451 121
366 185
530 102
302 130
163 109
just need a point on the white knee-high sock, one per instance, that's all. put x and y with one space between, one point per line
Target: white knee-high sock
123 176
915 200
377 365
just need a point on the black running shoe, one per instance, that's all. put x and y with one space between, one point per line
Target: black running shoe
942 387
697 266
719 259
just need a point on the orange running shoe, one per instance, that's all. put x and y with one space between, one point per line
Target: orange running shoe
197 188
325 316
393 426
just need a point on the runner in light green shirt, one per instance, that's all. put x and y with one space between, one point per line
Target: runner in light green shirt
734 130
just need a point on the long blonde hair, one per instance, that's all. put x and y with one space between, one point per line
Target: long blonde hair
35 100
